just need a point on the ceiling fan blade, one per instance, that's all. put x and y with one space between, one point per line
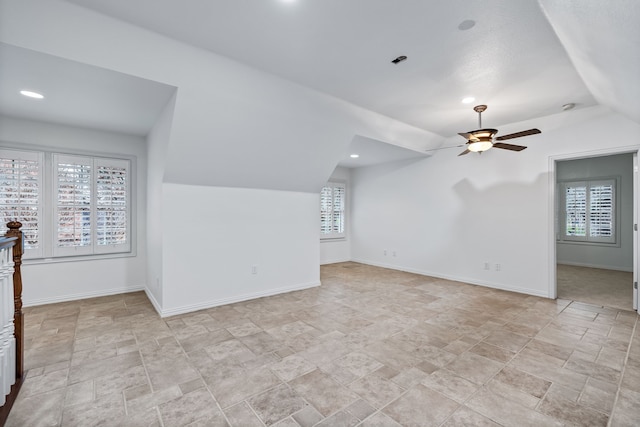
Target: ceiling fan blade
518 134
465 135
444 148
511 147
464 152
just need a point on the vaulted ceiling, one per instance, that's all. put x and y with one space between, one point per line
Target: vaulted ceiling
525 59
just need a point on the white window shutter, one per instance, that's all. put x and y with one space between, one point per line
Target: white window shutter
112 204
602 211
332 211
576 210
21 196
74 215
326 201
590 211
338 210
87 201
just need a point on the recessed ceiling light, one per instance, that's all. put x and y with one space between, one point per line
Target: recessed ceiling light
468 100
399 59
569 106
32 94
467 24
354 156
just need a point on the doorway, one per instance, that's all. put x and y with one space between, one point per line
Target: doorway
594 243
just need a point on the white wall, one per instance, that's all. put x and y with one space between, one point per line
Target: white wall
446 215
232 126
245 127
52 281
157 144
214 236
614 257
339 250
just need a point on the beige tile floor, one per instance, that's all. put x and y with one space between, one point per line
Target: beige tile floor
596 286
370 347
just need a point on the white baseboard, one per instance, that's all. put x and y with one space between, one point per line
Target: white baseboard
158 307
334 261
601 267
467 280
81 295
230 300
153 300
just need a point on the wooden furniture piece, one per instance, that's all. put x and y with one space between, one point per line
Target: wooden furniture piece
11 319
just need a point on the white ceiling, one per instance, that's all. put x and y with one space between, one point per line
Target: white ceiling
511 59
77 94
372 152
525 58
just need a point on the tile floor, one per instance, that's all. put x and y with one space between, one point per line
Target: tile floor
596 286
370 347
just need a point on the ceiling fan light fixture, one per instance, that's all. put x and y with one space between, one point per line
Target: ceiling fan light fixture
479 146
481 140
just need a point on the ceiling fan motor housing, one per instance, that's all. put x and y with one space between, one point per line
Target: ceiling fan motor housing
483 134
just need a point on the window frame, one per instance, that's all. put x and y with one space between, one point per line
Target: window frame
334 235
587 239
48 226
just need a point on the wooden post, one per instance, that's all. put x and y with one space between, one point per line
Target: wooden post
16 235
14 231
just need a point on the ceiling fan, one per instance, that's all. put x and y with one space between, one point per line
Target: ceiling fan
483 139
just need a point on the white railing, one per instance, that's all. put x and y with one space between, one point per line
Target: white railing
7 333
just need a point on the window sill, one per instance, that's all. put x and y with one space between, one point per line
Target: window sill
332 239
586 243
64 259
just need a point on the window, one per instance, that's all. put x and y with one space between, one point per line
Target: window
91 205
86 200
589 211
21 195
332 211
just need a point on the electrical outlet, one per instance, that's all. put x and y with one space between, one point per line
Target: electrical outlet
487 266
498 267
384 252
394 253
254 269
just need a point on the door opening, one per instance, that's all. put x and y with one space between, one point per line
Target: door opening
593 239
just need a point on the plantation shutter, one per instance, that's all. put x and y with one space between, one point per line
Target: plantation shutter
576 209
338 210
590 211
112 205
601 211
73 207
332 211
21 196
92 203
326 202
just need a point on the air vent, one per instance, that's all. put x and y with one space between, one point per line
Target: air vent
399 59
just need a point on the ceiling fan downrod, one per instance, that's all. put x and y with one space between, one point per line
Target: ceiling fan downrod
479 109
